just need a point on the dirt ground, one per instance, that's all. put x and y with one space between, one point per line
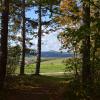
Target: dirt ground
34 94
34 88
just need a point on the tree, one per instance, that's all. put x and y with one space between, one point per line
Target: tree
4 41
95 35
41 13
18 25
86 65
78 15
23 39
39 41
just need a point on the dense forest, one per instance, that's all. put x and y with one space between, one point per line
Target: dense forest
77 23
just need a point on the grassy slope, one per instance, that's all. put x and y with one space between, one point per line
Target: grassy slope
48 66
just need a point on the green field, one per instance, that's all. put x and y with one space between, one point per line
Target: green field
47 66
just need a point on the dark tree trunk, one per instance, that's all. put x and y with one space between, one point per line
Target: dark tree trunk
38 62
23 41
95 47
4 41
86 66
93 58
75 63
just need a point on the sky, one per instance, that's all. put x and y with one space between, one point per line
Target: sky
49 41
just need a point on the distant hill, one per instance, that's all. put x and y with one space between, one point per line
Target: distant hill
55 54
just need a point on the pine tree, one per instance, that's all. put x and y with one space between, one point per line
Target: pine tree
23 39
4 41
86 66
39 41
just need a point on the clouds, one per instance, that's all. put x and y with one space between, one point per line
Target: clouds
49 42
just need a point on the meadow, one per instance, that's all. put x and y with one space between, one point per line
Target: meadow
48 65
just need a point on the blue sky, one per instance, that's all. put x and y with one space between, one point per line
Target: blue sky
49 41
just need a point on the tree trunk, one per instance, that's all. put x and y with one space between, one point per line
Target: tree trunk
95 46
86 66
4 41
93 58
23 41
75 63
39 43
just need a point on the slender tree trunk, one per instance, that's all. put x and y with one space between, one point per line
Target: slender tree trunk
4 41
86 66
93 58
23 41
39 43
75 63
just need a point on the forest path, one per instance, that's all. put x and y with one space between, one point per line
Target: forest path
31 87
40 93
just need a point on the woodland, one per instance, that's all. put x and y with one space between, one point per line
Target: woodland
77 23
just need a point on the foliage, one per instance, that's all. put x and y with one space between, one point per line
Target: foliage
13 59
72 36
75 91
79 21
72 63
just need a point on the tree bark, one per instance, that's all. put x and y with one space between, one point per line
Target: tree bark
38 62
4 41
86 66
23 41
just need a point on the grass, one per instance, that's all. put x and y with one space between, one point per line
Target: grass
47 66
28 81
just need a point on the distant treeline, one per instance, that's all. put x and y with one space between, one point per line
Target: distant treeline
56 54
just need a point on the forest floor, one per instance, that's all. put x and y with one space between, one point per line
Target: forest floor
35 88
41 93
31 87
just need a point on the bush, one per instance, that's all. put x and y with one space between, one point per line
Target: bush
73 64
13 59
75 91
